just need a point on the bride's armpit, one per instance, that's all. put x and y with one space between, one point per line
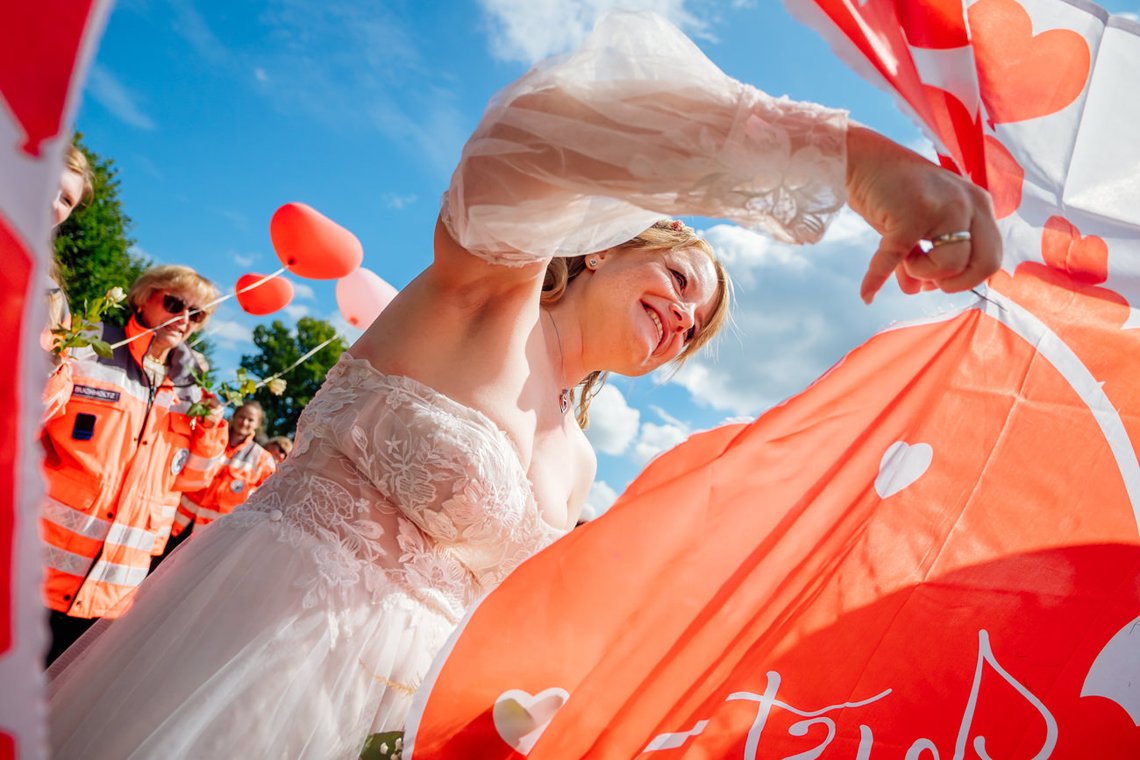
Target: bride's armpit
470 278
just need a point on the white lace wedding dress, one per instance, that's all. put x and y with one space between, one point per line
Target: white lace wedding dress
305 620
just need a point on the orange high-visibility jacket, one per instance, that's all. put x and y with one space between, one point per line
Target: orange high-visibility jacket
247 466
118 454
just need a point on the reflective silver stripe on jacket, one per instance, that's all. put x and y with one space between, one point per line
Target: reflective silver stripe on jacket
119 575
131 538
88 526
65 561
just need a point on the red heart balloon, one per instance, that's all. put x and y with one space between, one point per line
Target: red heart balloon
310 244
266 298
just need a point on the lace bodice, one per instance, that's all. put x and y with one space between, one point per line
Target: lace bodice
398 483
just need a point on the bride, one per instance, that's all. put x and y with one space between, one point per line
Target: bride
445 447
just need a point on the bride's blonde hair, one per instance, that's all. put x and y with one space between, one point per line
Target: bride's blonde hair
665 235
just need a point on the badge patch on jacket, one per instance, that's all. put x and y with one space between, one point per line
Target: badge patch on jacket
237 486
179 461
84 428
95 394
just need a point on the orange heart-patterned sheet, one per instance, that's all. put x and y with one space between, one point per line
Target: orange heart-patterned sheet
933 551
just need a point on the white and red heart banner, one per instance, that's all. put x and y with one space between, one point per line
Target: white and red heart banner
45 46
933 551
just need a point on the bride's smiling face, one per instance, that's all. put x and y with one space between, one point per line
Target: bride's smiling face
646 306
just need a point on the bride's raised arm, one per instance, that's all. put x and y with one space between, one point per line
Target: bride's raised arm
586 151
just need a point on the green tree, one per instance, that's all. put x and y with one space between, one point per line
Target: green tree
93 247
278 347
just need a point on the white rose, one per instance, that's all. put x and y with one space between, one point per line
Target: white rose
116 295
276 386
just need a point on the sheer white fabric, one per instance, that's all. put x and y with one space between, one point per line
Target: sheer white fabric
587 151
304 621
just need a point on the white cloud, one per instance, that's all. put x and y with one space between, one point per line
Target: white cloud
529 30
238 219
260 75
243 260
434 126
113 95
923 147
664 416
296 311
396 201
654 438
745 252
192 26
797 313
304 290
598 501
228 332
613 422
340 57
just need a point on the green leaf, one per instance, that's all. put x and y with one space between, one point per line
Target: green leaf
101 347
198 409
232 397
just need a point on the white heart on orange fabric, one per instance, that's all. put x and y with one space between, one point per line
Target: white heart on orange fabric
520 717
1115 673
902 464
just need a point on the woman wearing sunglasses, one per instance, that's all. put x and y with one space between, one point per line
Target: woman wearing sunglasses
122 449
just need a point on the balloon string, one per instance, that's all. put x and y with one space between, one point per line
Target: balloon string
305 357
215 302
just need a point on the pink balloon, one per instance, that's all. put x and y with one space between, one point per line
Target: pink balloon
361 296
266 298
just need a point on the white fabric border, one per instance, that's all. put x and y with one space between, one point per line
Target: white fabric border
25 198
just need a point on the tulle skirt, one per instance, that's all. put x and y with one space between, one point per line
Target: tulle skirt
220 657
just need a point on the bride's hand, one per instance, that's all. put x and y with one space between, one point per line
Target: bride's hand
907 199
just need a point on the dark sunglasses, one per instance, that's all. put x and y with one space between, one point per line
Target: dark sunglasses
175 305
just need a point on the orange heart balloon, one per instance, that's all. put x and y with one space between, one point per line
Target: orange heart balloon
311 245
267 297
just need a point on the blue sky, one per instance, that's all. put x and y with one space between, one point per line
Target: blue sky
217 112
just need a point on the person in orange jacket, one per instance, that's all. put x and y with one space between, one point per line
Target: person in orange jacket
122 448
247 466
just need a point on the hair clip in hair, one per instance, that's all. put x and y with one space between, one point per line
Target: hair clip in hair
676 225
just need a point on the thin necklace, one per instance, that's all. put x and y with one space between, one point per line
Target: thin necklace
564 394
